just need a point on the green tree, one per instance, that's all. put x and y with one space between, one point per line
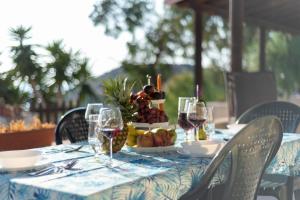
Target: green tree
166 38
283 57
10 94
82 76
25 58
177 86
119 16
66 70
138 73
59 69
159 39
180 86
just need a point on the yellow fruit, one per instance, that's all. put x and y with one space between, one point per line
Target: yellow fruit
140 132
131 130
131 140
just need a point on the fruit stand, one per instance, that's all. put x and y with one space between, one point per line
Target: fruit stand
142 112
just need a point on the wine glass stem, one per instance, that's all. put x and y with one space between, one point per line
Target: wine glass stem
110 149
186 135
195 133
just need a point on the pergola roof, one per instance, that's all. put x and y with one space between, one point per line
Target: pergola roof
282 15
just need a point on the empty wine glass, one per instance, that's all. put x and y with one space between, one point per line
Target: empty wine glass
197 114
183 103
209 123
110 124
92 115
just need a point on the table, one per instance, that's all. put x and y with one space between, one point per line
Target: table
135 175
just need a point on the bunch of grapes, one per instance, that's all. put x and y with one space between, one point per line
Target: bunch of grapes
145 113
153 93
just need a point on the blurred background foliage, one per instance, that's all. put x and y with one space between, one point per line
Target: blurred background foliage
160 42
42 79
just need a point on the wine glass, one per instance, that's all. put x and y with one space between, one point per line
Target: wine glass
183 103
196 114
91 116
110 125
209 123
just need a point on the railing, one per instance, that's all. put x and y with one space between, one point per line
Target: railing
52 113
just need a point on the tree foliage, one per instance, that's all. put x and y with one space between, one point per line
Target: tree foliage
155 39
60 71
10 93
119 16
179 85
167 38
283 58
160 40
26 65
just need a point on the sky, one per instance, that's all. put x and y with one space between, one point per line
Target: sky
61 19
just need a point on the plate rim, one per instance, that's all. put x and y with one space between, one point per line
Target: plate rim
158 101
181 152
153 125
153 149
38 165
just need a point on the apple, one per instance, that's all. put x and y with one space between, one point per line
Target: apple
173 136
160 137
145 140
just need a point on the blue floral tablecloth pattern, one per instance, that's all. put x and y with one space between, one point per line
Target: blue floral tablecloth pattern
165 175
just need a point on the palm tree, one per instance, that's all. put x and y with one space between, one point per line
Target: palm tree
68 70
82 75
60 68
26 68
11 94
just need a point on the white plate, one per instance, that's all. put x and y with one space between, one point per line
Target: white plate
158 101
154 125
185 153
19 158
38 165
203 147
152 149
234 128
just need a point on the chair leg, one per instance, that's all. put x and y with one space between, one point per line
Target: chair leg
297 195
288 192
290 187
284 189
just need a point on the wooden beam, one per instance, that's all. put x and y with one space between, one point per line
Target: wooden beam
262 48
255 20
198 35
279 15
236 18
170 2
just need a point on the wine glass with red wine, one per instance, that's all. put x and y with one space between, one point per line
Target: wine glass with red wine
110 124
196 114
183 103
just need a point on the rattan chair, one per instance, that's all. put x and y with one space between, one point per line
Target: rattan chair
287 112
72 126
280 186
251 150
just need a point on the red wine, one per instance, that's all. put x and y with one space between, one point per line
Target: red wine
183 122
196 121
110 132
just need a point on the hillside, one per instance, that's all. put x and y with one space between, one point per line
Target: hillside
95 83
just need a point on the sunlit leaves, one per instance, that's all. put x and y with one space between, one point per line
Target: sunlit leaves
118 16
283 57
58 72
